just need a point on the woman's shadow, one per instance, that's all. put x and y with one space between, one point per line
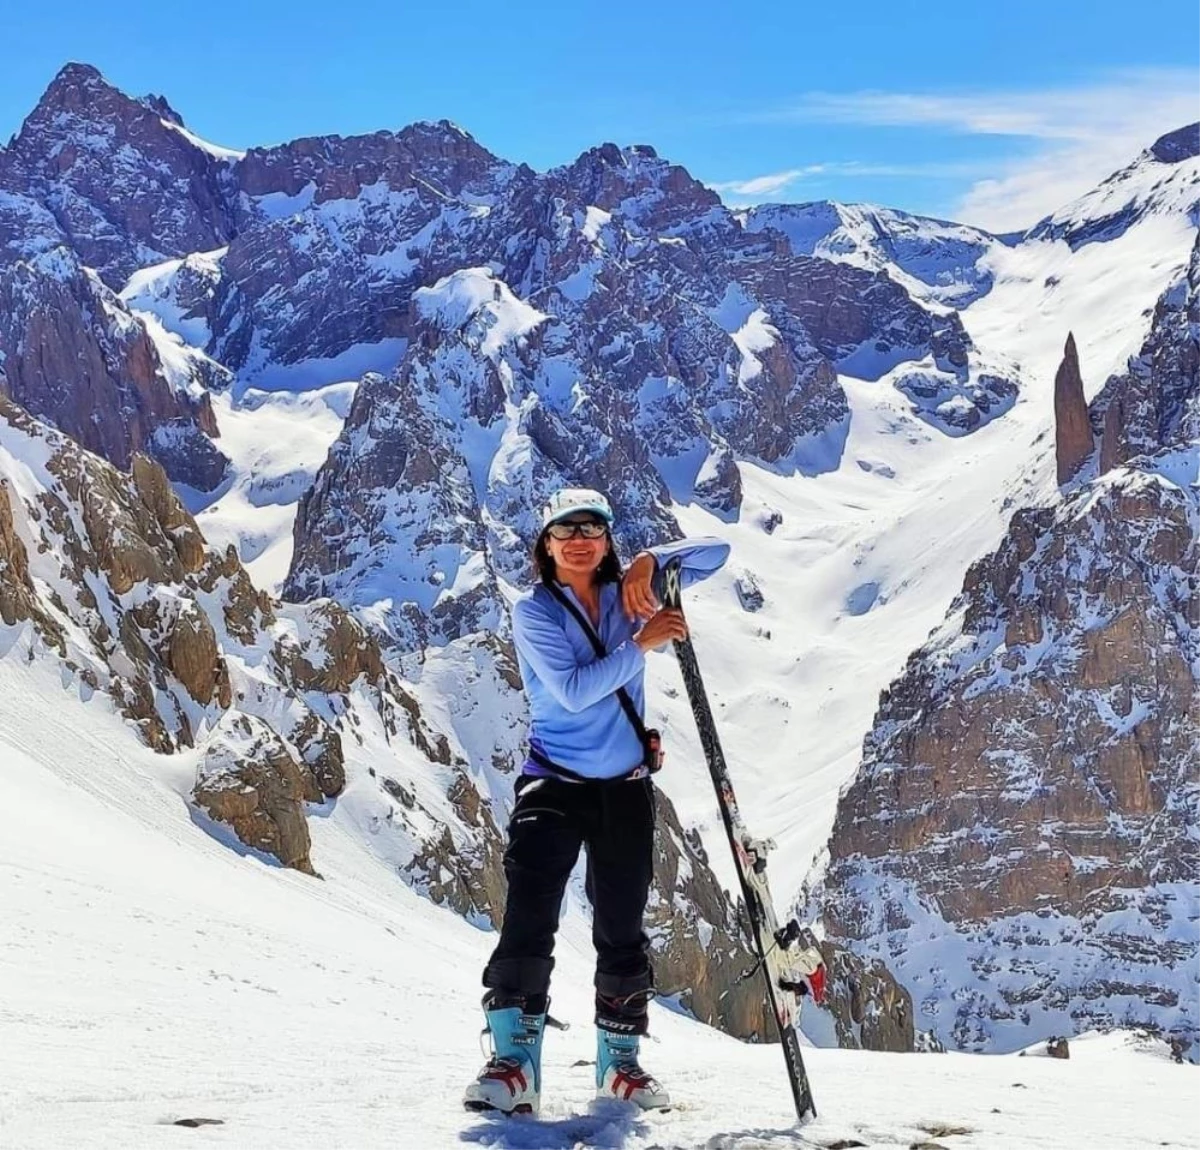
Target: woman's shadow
606 1125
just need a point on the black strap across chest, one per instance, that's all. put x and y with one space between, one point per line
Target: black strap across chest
598 646
627 704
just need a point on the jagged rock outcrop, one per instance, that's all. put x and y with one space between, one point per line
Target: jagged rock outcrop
1153 403
869 1008
74 355
250 782
416 524
439 154
113 576
698 944
1031 778
1072 430
18 599
336 652
1017 842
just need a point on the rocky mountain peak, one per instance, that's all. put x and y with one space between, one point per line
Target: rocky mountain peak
74 86
440 133
123 182
79 92
1181 144
434 158
1073 432
611 178
161 107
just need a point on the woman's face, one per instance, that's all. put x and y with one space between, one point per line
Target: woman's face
577 554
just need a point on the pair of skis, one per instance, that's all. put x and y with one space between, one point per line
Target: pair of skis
790 962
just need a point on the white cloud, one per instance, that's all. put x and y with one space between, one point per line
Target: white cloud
764 185
1080 135
758 188
1027 191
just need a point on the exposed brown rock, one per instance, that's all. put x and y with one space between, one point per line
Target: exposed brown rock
320 750
1064 728
700 952
1072 429
75 355
1058 1048
156 493
16 593
468 875
871 1010
192 654
250 782
1112 447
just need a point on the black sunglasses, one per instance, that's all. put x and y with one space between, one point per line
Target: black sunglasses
588 528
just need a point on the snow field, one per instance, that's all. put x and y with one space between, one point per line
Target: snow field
150 974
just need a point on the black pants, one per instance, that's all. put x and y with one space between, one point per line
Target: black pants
551 821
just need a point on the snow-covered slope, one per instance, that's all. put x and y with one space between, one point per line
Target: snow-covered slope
151 976
1163 181
275 442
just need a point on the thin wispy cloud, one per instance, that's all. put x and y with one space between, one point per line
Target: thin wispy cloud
1070 138
758 188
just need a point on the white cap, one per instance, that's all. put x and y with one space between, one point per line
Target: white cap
572 500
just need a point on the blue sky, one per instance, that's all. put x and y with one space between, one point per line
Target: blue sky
995 114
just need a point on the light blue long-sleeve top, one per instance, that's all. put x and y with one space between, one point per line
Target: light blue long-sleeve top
576 718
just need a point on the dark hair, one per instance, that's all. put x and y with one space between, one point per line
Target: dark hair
546 569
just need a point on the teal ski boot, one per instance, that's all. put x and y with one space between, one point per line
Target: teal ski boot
511 1082
619 1074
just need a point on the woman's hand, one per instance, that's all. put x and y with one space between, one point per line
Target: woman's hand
637 587
666 625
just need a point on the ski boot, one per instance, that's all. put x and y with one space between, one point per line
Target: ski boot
511 1082
619 1074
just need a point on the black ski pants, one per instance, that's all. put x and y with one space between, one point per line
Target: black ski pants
552 819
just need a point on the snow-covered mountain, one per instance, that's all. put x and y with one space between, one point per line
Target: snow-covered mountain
1018 838
363 361
1161 181
935 260
281 714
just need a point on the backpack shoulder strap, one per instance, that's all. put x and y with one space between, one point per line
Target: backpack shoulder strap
598 646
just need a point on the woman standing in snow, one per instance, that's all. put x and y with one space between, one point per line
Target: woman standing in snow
582 633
